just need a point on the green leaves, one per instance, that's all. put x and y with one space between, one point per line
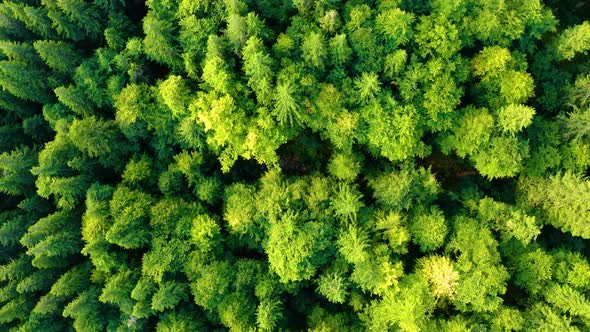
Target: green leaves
268 314
286 109
429 228
58 55
15 176
502 157
295 252
94 136
396 24
367 86
168 296
514 118
573 40
333 287
411 187
346 203
478 257
159 41
344 167
441 275
258 67
314 49
176 95
562 198
302 165
129 209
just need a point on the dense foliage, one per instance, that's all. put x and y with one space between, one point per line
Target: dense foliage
322 165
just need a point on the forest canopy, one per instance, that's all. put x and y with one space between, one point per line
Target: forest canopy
294 165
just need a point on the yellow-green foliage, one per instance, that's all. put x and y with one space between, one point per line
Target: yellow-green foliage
294 165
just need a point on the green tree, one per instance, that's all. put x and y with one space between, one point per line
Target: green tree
160 39
129 209
286 109
314 49
15 166
396 24
428 228
25 81
339 50
296 252
482 277
367 86
85 16
176 95
573 40
58 55
561 197
95 137
258 68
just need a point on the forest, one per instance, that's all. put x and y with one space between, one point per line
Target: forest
294 165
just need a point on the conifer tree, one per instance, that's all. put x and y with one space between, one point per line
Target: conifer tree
561 197
58 55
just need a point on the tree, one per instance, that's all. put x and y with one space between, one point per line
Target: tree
75 98
396 25
33 18
159 42
393 131
394 63
216 72
225 120
180 321
294 165
15 166
25 81
129 209
117 290
437 36
346 203
509 221
482 277
566 299
573 40
413 187
296 252
513 118
96 222
367 86
314 50
344 167
210 283
406 309
428 228
95 137
333 287
441 275
561 197
168 296
84 15
58 55
258 68
268 313
176 95
86 311
339 50
21 52
286 109
502 157
130 105
394 230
